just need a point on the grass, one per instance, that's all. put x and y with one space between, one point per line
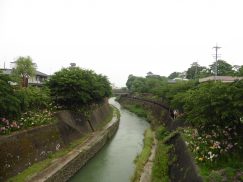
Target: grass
160 170
37 167
143 157
224 168
137 109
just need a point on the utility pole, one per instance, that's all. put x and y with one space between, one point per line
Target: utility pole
216 58
195 74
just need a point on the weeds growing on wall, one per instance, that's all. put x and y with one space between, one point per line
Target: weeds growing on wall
160 170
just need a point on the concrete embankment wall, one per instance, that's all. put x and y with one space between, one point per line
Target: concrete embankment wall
67 166
182 167
21 149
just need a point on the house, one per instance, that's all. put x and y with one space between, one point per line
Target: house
37 80
224 79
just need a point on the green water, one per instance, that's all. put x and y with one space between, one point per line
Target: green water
114 163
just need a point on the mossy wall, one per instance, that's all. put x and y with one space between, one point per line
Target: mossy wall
21 149
182 167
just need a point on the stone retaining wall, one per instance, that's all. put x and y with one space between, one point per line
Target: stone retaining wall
21 149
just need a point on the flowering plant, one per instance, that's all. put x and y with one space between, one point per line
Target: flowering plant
208 145
7 126
36 118
28 119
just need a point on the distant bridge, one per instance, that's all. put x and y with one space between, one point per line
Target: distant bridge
118 92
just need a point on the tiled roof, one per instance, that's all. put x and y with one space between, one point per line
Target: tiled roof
9 71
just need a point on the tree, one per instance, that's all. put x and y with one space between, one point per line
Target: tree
74 86
240 71
25 68
9 103
214 103
130 80
204 73
223 68
194 71
174 75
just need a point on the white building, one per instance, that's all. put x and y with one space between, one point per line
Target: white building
38 79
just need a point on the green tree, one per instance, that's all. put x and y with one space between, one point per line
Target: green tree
9 103
240 71
205 73
149 84
194 71
174 75
223 68
214 104
130 80
25 69
74 86
135 84
138 85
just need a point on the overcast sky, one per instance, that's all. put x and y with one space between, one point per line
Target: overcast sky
118 38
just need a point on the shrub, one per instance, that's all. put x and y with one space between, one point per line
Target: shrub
9 103
33 98
215 103
74 86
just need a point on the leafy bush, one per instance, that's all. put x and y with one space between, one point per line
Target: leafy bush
215 103
9 103
33 98
74 86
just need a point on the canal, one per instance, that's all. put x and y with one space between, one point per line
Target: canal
115 161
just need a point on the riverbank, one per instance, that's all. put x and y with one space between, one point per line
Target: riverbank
143 158
115 162
70 161
173 160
